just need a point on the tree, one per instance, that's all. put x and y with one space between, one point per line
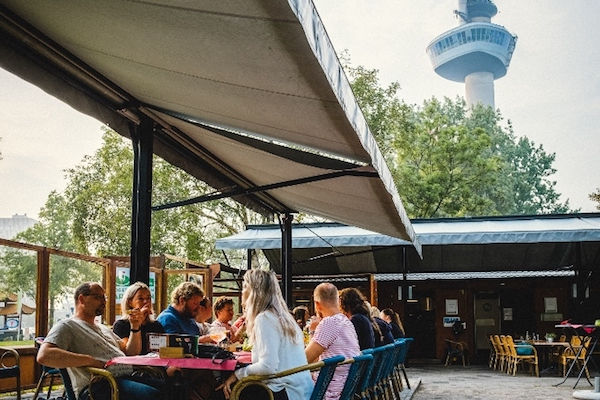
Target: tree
595 196
18 267
448 160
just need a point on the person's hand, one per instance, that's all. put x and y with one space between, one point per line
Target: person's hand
313 322
136 317
206 339
172 370
226 386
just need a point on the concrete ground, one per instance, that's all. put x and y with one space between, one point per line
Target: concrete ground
432 382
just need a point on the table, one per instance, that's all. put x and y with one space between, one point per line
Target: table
583 331
544 348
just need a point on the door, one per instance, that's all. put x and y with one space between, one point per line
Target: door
487 320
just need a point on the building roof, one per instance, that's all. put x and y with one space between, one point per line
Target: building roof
512 243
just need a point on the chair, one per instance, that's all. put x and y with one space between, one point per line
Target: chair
326 369
493 353
575 354
47 372
517 358
10 367
375 385
401 363
357 374
454 351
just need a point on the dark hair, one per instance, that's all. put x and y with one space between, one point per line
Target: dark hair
352 301
83 289
221 303
301 315
394 317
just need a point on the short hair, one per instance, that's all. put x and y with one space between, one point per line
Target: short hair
352 301
221 303
84 289
186 291
326 293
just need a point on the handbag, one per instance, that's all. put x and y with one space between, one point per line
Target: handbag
215 353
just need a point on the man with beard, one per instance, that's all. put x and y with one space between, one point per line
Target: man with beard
185 305
79 342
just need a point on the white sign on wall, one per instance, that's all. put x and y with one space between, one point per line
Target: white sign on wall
122 283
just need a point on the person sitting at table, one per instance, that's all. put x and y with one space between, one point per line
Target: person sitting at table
185 305
301 315
392 318
354 306
385 330
204 314
223 315
137 300
78 342
277 341
332 334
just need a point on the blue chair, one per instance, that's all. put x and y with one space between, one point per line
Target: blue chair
325 375
357 375
375 387
47 372
10 367
401 363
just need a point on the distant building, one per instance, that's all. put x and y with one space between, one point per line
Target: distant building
476 52
10 227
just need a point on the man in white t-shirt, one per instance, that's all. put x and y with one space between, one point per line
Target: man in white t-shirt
334 335
79 342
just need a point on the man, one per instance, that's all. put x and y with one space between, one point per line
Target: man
334 335
185 305
79 342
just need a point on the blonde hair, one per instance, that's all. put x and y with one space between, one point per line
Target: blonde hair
264 294
130 294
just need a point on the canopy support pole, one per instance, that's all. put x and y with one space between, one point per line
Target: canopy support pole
286 258
142 138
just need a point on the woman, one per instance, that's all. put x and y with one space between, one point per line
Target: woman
392 318
277 341
301 315
137 315
385 330
354 306
223 315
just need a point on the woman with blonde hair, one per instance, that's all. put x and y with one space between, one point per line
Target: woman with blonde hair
137 316
277 341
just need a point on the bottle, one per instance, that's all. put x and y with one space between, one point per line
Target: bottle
527 335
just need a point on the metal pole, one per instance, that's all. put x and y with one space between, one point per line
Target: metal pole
286 259
142 138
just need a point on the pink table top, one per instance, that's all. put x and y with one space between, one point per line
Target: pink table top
189 363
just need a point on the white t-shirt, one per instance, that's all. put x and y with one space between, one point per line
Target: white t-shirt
273 352
78 336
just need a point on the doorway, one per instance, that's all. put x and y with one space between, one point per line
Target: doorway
487 320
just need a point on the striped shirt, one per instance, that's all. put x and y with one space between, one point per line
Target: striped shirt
337 335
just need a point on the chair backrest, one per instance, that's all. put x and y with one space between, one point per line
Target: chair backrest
404 350
357 374
10 366
325 375
510 345
378 354
67 383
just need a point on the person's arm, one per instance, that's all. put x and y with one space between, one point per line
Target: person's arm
53 356
313 351
132 345
265 349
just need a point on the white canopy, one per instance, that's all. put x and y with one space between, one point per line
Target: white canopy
246 93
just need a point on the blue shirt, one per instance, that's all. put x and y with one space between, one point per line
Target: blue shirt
174 322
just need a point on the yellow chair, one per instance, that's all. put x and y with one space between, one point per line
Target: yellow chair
516 358
569 355
503 353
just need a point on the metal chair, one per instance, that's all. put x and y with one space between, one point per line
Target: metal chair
10 367
326 370
357 374
47 372
454 351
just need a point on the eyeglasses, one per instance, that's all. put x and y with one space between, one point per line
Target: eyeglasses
97 296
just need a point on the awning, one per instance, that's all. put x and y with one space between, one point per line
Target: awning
11 309
246 93
542 242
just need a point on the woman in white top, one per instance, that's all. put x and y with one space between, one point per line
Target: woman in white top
277 341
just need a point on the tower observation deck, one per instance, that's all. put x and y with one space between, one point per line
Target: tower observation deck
476 52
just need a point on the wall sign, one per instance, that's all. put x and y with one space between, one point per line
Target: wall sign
452 306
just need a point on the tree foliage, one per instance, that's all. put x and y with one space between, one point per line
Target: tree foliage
595 196
448 160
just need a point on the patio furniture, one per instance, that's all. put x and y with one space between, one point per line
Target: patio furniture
357 374
522 354
10 367
575 354
46 372
454 351
326 369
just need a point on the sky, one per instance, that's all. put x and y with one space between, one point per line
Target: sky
551 92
